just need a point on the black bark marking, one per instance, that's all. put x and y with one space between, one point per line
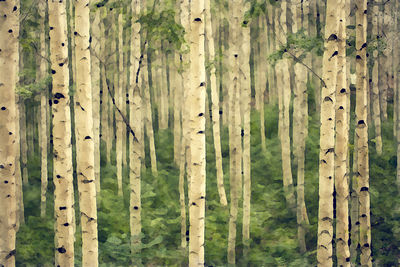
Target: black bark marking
202 197
10 31
66 224
220 112
55 102
201 114
58 176
62 208
333 37
87 181
363 216
334 54
58 95
62 44
135 207
6 182
357 223
87 137
329 150
341 107
348 259
197 19
364 45
3 108
1 166
358 57
9 133
343 90
61 250
361 122
242 132
200 132
15 8
364 189
61 64
202 84
75 33
11 254
194 203
366 245
327 219
127 102
53 72
327 98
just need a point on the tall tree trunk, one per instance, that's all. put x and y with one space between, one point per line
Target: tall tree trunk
24 144
341 146
215 106
375 89
327 138
285 120
197 136
245 88
104 94
135 144
235 145
261 72
95 68
85 139
62 148
119 92
43 110
362 132
9 33
300 119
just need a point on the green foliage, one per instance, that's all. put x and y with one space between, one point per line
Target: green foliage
32 89
298 44
161 25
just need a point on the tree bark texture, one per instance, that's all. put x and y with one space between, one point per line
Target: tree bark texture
362 133
327 137
9 58
62 148
197 136
341 145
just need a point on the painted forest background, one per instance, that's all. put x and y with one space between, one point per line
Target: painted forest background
134 120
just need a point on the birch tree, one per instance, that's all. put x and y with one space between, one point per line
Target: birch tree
362 133
341 145
215 106
9 33
62 148
197 135
135 144
84 137
327 137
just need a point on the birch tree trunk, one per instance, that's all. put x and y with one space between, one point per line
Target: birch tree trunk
9 33
95 67
24 144
341 145
215 106
327 137
135 144
375 89
235 145
85 139
197 136
43 110
62 147
119 99
300 123
362 132
104 94
245 88
285 120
